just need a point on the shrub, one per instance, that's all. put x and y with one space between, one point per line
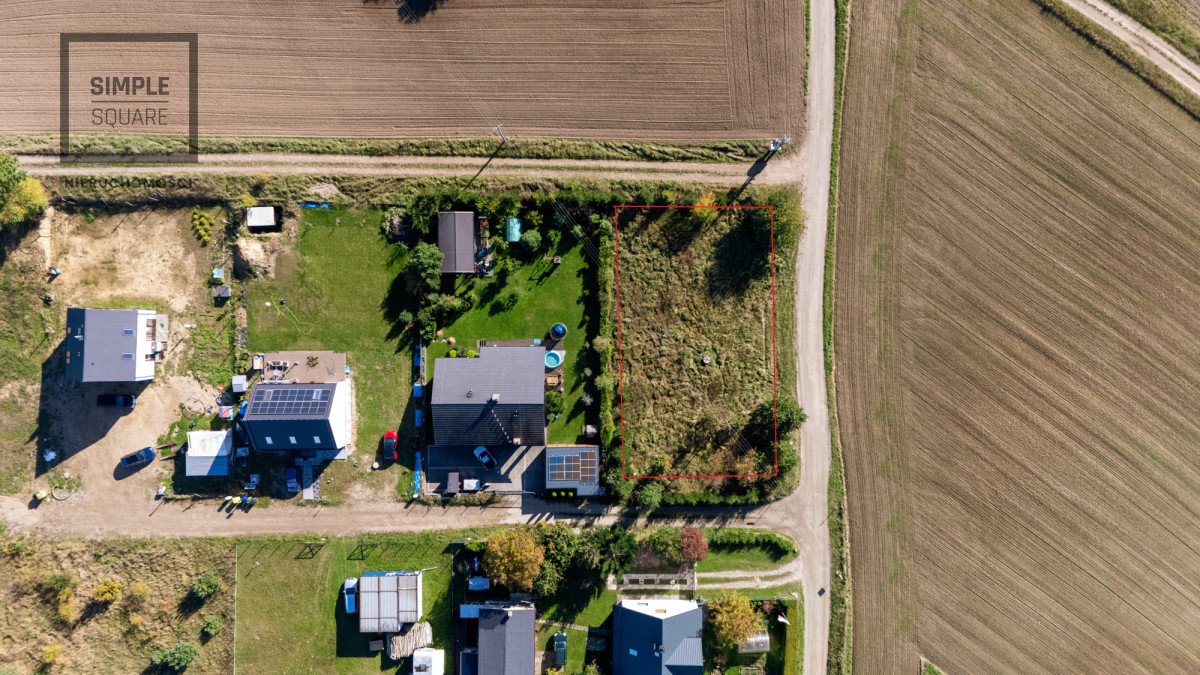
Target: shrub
25 203
248 200
65 610
732 618
176 658
591 669
532 241
666 545
514 558
202 227
423 271
50 654
404 318
649 495
693 543
139 592
554 405
206 585
453 353
738 537
212 626
107 590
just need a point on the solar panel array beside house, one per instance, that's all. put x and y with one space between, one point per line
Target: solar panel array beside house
456 239
388 600
573 467
493 400
113 345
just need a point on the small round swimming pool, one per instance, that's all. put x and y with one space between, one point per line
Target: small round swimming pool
554 359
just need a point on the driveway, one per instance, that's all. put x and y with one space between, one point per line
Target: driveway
519 470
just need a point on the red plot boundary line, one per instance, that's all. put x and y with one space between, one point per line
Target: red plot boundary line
620 360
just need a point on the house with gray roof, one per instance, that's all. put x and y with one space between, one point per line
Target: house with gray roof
658 636
114 345
456 240
506 640
496 399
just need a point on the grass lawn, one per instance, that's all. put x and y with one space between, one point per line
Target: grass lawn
787 644
576 646
335 280
290 616
581 610
724 558
523 302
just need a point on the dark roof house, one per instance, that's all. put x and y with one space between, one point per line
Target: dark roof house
114 345
658 637
456 239
496 399
506 641
301 404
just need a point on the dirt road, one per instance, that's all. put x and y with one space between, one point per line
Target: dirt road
1142 40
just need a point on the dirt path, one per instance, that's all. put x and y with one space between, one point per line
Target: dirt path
780 172
1142 40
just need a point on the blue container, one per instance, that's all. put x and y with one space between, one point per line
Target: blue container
417 474
513 231
417 417
558 331
417 390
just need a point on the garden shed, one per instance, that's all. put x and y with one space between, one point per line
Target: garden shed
456 239
208 453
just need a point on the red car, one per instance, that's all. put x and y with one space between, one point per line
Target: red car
391 446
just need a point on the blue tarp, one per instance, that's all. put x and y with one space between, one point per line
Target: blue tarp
469 611
478 583
314 205
417 474
513 232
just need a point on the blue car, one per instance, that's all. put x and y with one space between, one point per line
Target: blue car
350 591
143 456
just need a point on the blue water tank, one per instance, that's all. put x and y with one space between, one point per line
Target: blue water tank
417 390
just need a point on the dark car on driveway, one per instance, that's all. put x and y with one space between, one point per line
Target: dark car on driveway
143 456
485 458
123 401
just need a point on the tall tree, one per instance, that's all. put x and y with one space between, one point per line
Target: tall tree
513 559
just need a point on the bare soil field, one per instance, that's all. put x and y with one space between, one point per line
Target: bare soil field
682 69
1016 349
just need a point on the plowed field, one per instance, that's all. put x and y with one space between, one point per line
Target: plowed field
676 69
1018 348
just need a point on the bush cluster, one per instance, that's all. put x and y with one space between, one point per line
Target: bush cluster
202 227
736 538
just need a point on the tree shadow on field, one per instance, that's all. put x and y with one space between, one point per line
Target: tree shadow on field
413 11
742 255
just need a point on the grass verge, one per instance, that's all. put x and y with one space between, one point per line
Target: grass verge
528 148
1167 18
841 616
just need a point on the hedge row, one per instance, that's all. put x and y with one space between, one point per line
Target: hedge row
740 538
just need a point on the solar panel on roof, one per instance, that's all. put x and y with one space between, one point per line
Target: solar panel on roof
273 400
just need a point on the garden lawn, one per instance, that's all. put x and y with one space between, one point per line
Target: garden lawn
539 294
291 618
576 646
757 558
336 281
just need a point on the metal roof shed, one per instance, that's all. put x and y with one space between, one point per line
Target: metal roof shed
260 217
208 453
388 600
456 239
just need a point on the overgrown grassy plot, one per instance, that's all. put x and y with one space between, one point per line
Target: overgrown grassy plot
25 336
526 295
291 617
330 292
108 606
695 286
